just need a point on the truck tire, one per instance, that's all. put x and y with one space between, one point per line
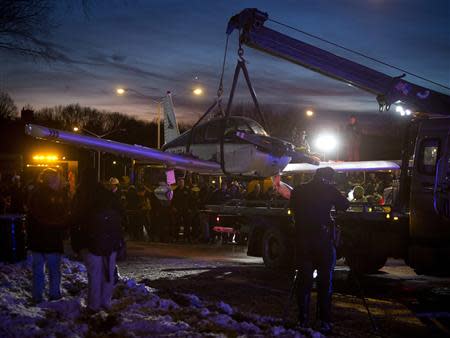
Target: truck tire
275 249
365 263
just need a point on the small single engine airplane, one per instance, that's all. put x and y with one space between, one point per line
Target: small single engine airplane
247 148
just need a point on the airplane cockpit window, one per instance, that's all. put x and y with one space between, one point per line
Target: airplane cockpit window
257 128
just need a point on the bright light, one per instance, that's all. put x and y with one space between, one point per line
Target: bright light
309 113
198 91
402 111
120 91
75 129
114 162
47 158
326 142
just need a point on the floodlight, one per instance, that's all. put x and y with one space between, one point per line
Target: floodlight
326 142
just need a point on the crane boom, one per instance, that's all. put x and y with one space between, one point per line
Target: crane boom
388 90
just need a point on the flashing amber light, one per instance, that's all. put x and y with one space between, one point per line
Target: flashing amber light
46 158
388 216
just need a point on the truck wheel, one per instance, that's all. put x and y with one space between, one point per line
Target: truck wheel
275 249
363 264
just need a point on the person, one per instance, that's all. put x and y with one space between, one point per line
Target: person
114 185
311 203
354 133
161 215
181 208
255 194
220 195
17 196
135 219
359 195
97 236
47 224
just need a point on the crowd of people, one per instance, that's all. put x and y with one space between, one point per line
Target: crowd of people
168 214
375 188
171 214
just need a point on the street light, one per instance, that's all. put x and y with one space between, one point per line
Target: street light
77 129
122 91
198 91
309 113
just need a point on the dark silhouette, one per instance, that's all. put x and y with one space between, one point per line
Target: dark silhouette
312 203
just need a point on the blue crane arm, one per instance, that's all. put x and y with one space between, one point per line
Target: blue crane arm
388 90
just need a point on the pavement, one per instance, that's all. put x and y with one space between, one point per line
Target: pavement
401 303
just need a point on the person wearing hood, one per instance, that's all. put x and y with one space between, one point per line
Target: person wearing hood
47 225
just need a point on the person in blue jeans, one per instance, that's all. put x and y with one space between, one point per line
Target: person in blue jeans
47 224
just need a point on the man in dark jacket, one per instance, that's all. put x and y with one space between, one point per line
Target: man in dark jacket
47 221
311 204
97 224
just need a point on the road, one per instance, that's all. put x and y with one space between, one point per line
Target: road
402 303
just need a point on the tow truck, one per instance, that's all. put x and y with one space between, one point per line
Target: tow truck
417 227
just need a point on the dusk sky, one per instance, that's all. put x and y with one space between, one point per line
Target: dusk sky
155 46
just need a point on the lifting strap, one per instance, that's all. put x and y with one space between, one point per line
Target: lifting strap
239 66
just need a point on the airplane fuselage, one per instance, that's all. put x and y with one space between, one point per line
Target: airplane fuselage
263 156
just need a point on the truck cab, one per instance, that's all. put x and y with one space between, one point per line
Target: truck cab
429 225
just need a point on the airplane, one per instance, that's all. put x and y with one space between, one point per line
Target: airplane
248 150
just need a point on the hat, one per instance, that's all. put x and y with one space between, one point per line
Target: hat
114 181
325 173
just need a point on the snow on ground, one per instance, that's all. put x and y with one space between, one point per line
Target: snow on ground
137 311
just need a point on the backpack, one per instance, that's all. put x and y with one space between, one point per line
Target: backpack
105 232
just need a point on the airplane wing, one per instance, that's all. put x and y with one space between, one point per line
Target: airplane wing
293 168
137 152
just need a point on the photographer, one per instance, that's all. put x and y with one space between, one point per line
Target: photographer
311 203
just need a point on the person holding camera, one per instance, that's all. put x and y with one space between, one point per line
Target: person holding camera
311 203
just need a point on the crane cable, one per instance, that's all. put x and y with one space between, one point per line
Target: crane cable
359 53
220 89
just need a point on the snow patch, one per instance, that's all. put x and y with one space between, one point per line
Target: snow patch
136 311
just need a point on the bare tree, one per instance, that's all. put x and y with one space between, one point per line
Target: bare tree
24 23
8 109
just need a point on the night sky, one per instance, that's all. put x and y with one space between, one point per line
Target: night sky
155 46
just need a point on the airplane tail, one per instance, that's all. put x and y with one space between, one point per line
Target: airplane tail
171 130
